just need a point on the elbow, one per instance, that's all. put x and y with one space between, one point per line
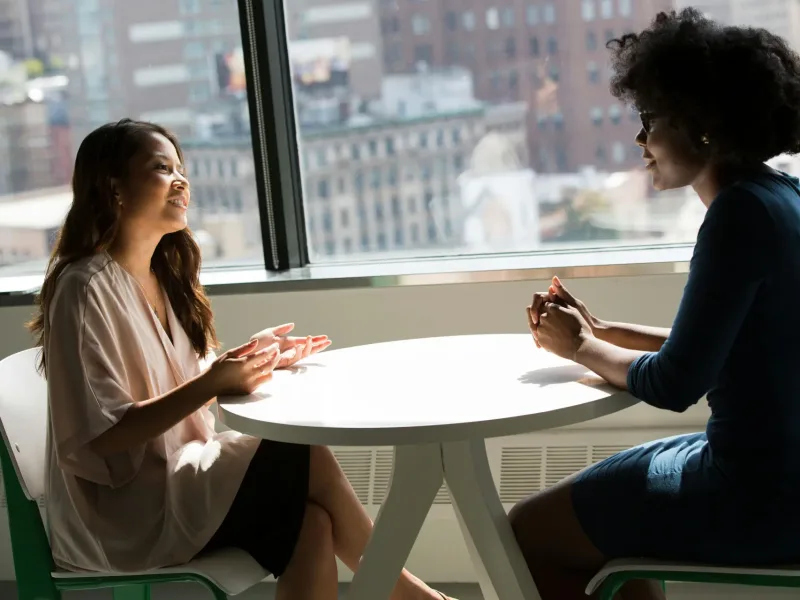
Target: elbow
654 383
677 399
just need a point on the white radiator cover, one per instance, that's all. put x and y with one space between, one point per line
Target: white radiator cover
521 465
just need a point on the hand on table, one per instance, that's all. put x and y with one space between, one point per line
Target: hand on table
292 349
557 294
556 325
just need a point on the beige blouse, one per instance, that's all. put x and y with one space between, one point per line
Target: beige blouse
157 504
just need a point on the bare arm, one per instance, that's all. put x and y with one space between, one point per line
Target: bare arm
238 371
632 337
150 418
608 360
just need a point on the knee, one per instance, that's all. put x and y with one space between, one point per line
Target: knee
317 524
324 471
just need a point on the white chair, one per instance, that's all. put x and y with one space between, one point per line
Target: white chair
23 428
614 575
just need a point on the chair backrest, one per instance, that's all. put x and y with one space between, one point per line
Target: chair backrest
23 419
23 428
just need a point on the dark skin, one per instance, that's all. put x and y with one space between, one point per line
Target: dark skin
561 557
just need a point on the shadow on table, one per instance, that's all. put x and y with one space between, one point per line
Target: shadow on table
558 375
302 368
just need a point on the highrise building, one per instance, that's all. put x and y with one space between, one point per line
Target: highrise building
550 55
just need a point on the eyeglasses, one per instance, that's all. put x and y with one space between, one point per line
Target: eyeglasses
647 119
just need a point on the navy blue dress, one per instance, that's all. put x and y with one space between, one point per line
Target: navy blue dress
732 494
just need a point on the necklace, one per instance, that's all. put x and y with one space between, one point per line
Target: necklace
153 306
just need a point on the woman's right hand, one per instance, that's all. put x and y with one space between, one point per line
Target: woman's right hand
558 294
242 370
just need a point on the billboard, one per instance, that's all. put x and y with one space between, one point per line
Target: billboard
320 64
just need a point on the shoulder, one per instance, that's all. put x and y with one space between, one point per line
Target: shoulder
744 209
83 282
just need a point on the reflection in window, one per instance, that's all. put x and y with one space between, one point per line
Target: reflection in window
345 217
609 35
606 8
625 8
596 114
451 20
552 46
549 13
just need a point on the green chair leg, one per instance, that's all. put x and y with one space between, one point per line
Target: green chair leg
132 592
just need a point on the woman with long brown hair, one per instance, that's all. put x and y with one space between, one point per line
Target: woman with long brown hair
138 478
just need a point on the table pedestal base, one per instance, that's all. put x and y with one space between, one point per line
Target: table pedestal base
417 475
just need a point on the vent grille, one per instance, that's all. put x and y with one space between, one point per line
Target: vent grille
563 461
520 472
602 452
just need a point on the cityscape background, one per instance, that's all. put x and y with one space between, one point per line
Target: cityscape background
426 127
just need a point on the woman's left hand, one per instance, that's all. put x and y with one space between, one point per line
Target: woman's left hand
292 349
560 330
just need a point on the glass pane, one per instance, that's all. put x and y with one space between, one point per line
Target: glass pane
68 67
460 132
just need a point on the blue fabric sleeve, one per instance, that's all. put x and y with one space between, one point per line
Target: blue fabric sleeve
731 259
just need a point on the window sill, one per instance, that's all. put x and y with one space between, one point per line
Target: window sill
614 262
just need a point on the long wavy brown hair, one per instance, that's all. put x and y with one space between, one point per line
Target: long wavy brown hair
93 221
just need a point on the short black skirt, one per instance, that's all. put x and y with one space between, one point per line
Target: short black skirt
268 510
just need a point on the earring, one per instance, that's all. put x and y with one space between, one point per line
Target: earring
704 139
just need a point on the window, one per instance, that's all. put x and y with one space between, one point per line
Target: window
423 54
618 152
615 114
511 47
533 45
492 18
351 132
508 17
588 10
594 72
591 41
420 24
609 35
532 15
468 20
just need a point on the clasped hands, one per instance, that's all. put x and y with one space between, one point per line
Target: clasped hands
559 322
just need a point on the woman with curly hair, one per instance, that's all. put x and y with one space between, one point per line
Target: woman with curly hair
716 103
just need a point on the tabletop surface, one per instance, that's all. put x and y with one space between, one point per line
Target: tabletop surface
423 391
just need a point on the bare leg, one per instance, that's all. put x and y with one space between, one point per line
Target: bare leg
352 527
311 572
562 559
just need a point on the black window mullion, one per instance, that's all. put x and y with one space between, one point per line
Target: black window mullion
274 134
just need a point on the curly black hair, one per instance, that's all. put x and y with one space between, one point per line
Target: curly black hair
739 86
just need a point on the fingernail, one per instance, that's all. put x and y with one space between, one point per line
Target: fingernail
557 281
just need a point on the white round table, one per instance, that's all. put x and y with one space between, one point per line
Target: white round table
436 400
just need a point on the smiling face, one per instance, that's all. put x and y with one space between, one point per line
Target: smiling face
154 193
670 157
